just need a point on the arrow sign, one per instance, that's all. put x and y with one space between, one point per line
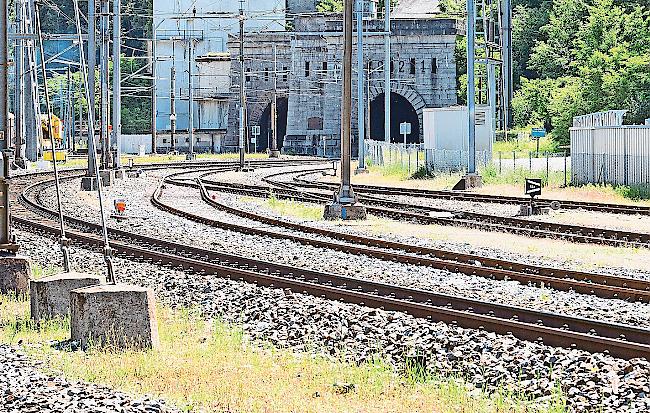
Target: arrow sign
533 187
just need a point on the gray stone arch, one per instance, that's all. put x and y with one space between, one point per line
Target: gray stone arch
408 93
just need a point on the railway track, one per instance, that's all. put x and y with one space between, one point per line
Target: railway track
601 285
552 329
485 198
307 191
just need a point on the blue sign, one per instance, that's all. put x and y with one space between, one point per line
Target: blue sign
537 133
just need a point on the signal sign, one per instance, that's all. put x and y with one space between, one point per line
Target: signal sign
533 187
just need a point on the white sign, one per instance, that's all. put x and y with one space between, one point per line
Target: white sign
405 128
255 130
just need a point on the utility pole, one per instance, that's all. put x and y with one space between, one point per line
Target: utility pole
172 116
103 78
361 118
345 204
506 36
242 84
69 117
190 74
273 150
471 106
387 71
154 92
7 242
19 102
117 80
92 63
32 118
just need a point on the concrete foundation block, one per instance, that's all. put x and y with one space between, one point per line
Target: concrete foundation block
353 212
119 173
120 316
15 272
89 183
50 296
469 181
274 154
361 171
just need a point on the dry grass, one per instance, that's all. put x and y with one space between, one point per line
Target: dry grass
208 365
147 159
586 257
288 207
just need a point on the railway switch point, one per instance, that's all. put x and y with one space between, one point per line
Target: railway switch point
15 272
50 296
469 181
352 212
121 316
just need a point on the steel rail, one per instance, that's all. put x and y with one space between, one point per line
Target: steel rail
601 285
422 214
551 329
500 199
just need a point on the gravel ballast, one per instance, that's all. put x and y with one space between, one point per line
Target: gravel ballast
308 323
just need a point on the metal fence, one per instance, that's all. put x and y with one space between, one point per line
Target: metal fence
618 155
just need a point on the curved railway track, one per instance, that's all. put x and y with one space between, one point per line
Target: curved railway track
305 190
553 329
485 198
602 285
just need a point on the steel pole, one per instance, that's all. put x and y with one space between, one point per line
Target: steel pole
154 93
471 108
492 95
242 84
190 75
92 63
117 82
346 194
172 116
19 102
387 89
360 86
506 36
103 80
6 241
273 150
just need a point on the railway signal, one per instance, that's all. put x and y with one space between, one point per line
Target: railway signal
533 187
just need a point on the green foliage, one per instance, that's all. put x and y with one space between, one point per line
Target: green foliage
329 6
590 56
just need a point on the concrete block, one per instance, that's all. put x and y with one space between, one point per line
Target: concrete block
469 181
89 183
354 212
50 296
15 272
121 316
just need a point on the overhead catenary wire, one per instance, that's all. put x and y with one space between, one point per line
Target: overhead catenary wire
92 153
63 241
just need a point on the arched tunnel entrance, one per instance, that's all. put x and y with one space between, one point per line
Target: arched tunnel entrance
401 111
265 125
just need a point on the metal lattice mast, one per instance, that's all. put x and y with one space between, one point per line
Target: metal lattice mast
471 104
242 85
103 80
19 102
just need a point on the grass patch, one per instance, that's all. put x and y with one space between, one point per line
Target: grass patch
209 365
523 146
288 207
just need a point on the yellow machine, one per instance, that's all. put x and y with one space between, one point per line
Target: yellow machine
57 134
